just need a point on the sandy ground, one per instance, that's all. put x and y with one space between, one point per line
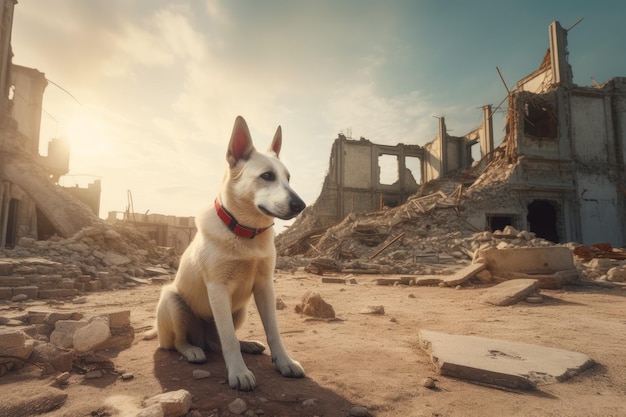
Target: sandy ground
368 360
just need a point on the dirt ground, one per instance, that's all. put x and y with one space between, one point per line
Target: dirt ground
372 361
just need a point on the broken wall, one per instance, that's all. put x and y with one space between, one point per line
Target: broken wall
353 182
31 203
166 231
448 154
598 123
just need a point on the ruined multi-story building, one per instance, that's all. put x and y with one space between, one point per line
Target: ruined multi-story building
567 143
563 158
32 204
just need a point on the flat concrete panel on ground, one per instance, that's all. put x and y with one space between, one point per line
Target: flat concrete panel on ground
499 362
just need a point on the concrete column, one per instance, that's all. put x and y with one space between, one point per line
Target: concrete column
561 71
486 139
443 142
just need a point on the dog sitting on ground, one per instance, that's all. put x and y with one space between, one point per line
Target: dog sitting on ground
231 258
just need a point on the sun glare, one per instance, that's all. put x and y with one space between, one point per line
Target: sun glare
86 136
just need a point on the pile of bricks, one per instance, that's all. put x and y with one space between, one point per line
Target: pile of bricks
97 258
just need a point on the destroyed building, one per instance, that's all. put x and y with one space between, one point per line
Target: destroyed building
559 172
32 203
167 231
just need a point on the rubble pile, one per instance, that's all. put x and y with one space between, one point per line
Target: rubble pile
61 341
430 234
422 236
98 257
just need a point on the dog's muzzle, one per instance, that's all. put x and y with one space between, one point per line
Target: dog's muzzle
296 205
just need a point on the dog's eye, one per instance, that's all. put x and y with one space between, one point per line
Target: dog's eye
268 176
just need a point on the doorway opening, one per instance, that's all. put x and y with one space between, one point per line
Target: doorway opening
542 216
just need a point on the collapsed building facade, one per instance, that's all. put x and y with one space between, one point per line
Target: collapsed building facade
32 203
559 172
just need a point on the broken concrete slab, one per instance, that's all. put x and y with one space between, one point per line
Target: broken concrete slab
529 260
463 275
499 362
510 292
457 278
553 281
553 266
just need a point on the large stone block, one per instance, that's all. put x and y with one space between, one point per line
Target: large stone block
60 359
64 331
94 334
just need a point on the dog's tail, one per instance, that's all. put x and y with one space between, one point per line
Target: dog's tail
150 334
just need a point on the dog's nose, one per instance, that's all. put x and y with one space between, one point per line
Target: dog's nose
296 204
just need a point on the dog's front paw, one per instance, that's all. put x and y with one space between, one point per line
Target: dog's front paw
242 381
289 368
194 354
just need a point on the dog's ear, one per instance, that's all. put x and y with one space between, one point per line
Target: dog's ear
240 146
277 142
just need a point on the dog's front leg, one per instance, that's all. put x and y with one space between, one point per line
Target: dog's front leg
239 377
266 304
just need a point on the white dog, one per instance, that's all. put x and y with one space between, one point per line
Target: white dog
231 258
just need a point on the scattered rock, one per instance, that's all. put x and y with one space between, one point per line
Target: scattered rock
238 406
173 403
155 410
313 305
15 343
310 402
359 411
64 331
94 374
61 359
201 374
617 274
428 382
95 333
378 310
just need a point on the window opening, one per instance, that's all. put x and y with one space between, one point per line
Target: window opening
388 169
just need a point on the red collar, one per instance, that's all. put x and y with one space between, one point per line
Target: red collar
234 226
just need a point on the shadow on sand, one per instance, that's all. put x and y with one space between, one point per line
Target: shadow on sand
275 394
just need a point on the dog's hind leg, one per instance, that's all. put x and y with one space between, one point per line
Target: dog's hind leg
173 325
247 346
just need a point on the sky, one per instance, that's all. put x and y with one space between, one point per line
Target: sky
147 91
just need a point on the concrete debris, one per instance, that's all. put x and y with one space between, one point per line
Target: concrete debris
201 374
600 250
155 410
314 305
60 359
238 406
173 404
375 310
359 411
424 242
501 363
57 341
510 292
617 274
99 257
429 383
